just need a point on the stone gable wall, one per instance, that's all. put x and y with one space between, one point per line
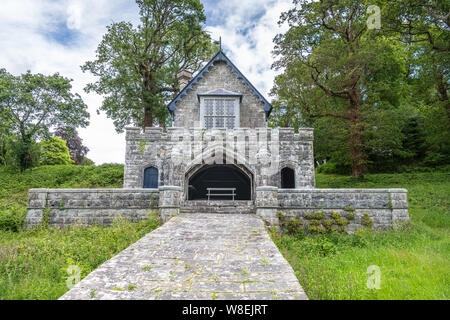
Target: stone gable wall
187 113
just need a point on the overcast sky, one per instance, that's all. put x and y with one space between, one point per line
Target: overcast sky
47 36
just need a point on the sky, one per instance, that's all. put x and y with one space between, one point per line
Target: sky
48 36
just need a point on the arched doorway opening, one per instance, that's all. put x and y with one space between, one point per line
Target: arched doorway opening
287 178
150 178
219 177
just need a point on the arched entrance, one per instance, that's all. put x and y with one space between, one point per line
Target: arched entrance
150 178
219 176
287 178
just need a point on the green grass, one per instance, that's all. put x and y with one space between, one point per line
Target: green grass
34 263
413 260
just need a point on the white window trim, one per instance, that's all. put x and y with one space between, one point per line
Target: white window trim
237 118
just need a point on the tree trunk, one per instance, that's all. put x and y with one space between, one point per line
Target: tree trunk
442 89
148 87
148 118
356 136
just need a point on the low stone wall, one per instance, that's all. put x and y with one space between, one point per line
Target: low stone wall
89 206
384 207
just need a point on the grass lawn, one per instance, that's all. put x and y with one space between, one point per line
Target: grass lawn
34 264
414 260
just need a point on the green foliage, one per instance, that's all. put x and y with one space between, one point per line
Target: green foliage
31 104
12 220
75 144
142 145
424 22
316 215
367 221
54 151
137 66
33 263
23 154
341 77
293 226
377 99
349 209
349 216
414 259
315 222
87 162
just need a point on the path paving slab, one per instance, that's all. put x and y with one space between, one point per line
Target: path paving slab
196 256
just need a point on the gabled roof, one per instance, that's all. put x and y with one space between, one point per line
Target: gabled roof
220 56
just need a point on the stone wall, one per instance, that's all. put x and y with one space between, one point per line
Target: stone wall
385 207
176 151
187 113
89 206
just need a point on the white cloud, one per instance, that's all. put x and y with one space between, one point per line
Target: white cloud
32 34
74 13
250 51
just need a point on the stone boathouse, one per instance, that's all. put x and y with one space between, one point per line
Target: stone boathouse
219 156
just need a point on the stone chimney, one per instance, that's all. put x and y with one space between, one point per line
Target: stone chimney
183 78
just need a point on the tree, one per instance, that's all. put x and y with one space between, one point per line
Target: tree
424 25
34 103
419 21
137 66
87 162
338 69
75 144
54 151
5 140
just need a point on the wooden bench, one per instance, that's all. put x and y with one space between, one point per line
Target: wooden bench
232 192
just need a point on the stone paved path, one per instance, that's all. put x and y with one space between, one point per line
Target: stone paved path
196 256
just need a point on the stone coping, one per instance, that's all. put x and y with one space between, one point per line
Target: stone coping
267 188
111 190
175 188
328 190
262 188
159 129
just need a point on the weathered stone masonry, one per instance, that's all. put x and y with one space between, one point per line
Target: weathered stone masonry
385 207
65 207
156 147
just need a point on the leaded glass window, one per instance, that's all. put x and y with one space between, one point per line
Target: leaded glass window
220 113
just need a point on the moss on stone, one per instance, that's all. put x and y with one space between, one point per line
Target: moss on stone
315 215
142 145
349 209
367 221
349 216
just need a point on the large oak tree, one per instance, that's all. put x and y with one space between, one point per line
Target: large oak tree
137 66
335 68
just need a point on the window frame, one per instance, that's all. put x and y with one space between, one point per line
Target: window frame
203 115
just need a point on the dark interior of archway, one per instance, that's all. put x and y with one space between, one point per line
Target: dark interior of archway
219 176
287 178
